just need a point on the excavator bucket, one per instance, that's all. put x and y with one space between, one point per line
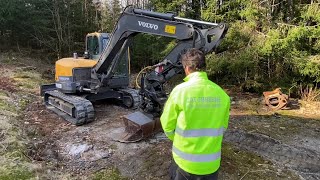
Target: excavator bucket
139 126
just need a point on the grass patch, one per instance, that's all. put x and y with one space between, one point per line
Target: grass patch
28 79
13 163
245 165
15 171
275 126
7 106
7 59
250 106
3 94
23 103
113 147
108 174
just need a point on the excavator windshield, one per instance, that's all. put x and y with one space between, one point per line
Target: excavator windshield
95 43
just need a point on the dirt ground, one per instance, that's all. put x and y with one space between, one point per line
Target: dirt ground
37 144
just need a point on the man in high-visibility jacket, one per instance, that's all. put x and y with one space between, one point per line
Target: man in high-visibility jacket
194 117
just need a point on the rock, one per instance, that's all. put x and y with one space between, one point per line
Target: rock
152 141
160 136
100 155
50 154
110 151
77 150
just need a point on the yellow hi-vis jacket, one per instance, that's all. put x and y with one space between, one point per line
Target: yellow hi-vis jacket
194 117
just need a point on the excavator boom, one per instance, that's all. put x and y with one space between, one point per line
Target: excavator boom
135 21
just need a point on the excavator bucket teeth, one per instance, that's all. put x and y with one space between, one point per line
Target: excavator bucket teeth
139 126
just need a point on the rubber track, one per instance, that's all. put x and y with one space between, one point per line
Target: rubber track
135 95
304 161
84 108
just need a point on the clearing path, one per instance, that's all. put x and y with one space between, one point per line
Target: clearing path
290 141
304 161
256 146
87 149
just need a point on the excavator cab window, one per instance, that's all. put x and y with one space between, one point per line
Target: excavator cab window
121 69
93 45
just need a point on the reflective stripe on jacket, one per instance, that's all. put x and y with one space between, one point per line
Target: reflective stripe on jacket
194 117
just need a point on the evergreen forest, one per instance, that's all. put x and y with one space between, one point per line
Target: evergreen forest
269 44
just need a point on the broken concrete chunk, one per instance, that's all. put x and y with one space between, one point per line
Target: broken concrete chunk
77 150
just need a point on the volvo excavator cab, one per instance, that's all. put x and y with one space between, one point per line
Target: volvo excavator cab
74 74
95 43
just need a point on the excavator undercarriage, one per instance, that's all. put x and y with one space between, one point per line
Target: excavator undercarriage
74 109
78 110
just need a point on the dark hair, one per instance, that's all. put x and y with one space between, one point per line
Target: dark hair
194 59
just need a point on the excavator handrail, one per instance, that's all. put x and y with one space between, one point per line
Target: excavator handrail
171 17
167 16
195 21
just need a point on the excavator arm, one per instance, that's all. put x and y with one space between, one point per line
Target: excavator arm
134 21
152 90
190 33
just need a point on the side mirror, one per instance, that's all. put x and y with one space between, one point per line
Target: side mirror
86 55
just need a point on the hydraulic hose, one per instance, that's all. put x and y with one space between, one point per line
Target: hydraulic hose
144 69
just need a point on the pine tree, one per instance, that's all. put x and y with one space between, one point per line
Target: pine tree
111 14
